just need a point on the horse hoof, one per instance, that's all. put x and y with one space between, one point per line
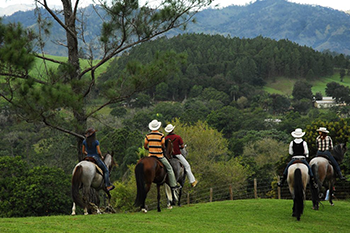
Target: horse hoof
169 207
332 204
143 210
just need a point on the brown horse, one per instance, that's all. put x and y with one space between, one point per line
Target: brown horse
324 173
150 170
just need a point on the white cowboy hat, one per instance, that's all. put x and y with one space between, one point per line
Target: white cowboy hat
154 125
169 128
323 130
298 133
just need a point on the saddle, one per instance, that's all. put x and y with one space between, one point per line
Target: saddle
298 159
92 160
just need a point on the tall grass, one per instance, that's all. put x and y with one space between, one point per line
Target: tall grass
250 215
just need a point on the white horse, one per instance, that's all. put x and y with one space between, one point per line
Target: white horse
88 175
298 178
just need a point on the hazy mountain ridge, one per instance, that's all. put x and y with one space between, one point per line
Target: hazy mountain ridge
318 27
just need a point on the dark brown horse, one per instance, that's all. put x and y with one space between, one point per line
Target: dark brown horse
324 173
150 170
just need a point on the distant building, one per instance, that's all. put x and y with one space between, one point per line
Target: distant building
326 102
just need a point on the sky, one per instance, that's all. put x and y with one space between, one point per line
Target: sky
342 5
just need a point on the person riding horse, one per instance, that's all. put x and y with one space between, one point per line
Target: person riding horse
91 148
298 147
324 145
155 144
177 145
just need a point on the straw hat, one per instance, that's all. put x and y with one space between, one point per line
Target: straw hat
323 130
90 132
154 125
298 133
169 128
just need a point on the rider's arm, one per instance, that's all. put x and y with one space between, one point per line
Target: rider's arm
306 149
330 143
291 148
99 151
83 150
145 144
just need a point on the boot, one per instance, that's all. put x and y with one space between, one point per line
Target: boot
280 184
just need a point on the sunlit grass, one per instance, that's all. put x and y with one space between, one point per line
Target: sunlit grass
252 215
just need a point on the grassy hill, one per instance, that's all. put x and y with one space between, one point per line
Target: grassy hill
284 86
252 215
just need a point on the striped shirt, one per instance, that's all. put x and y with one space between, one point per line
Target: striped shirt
324 144
155 142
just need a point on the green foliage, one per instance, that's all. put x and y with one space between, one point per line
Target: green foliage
263 155
16 47
40 191
339 131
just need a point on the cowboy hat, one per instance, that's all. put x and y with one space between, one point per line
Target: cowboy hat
169 128
323 130
298 133
154 125
90 132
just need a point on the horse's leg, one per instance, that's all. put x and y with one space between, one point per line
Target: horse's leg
331 193
158 197
73 209
143 205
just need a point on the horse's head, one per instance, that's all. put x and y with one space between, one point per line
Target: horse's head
339 151
109 161
168 148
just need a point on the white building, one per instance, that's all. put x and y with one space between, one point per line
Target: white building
326 102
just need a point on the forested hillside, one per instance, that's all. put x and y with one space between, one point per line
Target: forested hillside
237 67
314 26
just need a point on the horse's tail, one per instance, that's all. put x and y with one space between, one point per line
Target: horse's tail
315 191
76 183
140 183
298 193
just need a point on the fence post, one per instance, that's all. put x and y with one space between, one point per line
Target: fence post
278 188
255 188
188 198
211 195
231 193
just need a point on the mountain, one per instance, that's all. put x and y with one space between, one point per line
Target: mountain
318 27
9 10
314 26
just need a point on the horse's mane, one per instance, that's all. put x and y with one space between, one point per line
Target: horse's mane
339 151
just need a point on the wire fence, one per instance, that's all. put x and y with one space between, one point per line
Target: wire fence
254 189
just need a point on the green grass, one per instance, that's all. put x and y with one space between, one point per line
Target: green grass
284 86
39 66
257 215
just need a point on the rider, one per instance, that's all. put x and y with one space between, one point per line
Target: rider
155 143
91 148
298 147
179 144
324 145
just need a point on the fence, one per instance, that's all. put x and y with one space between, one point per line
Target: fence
254 189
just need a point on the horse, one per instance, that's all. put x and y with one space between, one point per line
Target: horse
86 175
324 173
297 179
150 170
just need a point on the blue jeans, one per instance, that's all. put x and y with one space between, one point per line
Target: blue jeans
303 161
103 167
331 158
